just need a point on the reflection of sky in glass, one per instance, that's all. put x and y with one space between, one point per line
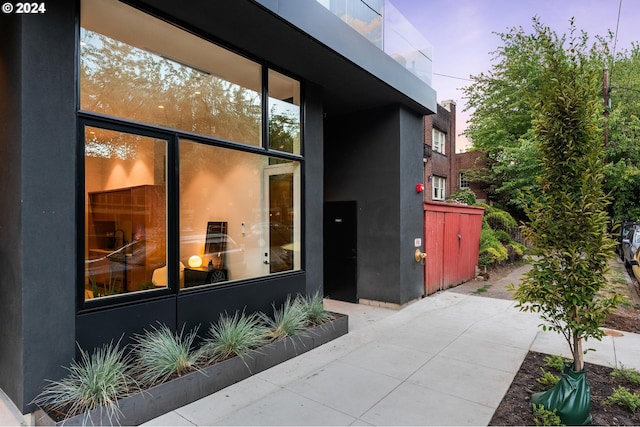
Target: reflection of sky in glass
404 43
399 39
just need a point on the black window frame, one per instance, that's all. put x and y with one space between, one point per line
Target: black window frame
173 137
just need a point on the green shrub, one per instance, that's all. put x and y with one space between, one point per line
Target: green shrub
95 381
502 236
287 321
159 354
487 208
491 250
515 251
626 374
623 397
500 220
232 336
465 196
547 379
545 417
488 239
555 362
519 248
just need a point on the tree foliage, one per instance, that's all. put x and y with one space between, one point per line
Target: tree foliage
568 215
623 124
502 117
502 121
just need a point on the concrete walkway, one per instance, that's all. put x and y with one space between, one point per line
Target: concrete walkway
445 360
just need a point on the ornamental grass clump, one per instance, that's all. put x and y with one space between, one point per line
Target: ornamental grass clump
159 354
232 336
313 307
287 321
94 381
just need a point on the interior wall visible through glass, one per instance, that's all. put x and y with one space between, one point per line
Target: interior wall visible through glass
237 188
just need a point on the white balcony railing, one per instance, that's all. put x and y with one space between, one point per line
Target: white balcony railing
383 25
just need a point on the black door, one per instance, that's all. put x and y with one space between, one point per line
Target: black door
340 251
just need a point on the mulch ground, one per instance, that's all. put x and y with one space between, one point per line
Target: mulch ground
515 408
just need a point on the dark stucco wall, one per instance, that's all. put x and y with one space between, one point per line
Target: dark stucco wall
10 181
313 191
411 207
374 158
39 229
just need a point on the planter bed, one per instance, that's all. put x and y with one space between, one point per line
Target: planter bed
175 393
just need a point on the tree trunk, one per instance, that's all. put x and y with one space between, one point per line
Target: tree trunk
578 361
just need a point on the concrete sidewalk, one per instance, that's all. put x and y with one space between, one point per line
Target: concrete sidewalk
445 360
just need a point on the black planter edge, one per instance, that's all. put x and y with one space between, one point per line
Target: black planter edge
166 397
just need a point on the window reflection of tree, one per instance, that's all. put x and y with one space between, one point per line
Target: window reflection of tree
124 81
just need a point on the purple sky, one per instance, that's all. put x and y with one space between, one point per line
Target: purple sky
461 32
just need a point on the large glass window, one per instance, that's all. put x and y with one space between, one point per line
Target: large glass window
143 69
125 213
238 205
239 214
284 113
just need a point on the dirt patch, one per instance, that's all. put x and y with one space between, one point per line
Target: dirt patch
624 319
515 408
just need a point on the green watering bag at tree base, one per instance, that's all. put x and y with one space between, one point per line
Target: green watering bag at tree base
570 397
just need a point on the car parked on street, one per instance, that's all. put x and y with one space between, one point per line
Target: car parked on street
630 245
635 266
622 232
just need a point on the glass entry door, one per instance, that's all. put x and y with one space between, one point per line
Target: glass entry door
282 191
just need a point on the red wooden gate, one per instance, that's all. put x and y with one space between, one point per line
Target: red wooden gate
451 242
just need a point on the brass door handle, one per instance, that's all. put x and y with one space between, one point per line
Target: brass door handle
420 256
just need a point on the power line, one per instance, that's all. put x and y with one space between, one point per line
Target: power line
615 41
454 77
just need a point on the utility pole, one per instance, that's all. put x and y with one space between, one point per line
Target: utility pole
606 103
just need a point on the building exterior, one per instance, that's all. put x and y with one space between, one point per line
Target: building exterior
166 162
445 171
470 160
439 152
451 230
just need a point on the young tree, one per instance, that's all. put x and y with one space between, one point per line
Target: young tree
568 226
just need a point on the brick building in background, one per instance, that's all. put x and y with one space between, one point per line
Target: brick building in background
444 169
465 162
